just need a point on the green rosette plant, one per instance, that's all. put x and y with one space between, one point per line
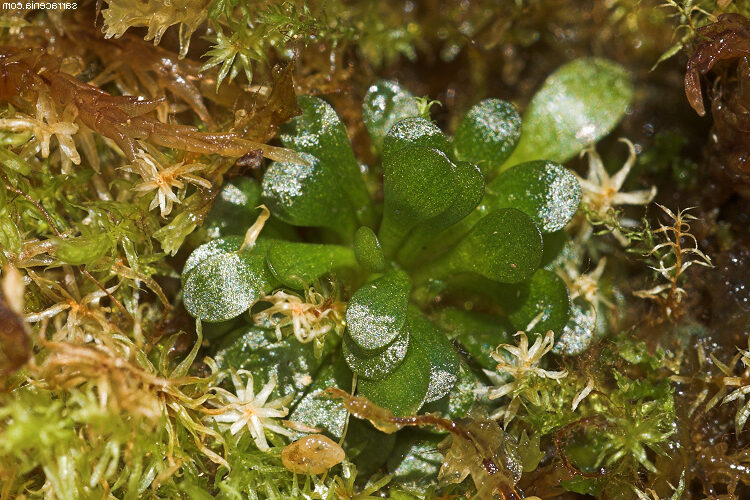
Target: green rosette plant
363 272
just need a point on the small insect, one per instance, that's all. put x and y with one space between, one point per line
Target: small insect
313 454
250 161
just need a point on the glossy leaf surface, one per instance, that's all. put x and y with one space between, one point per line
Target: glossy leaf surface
479 333
488 133
543 301
298 265
470 192
319 132
376 313
220 282
380 365
309 194
415 131
315 408
504 246
236 208
385 103
577 105
419 184
549 193
258 351
404 390
444 362
459 401
368 251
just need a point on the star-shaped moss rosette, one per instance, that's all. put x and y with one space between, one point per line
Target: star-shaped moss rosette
469 211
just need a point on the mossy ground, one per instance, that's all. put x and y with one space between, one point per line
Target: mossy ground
108 383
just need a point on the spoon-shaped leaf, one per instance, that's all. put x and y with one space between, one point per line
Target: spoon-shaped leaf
368 449
504 246
298 265
236 207
554 246
488 133
308 195
415 131
404 390
419 184
470 191
315 409
376 366
319 132
460 400
543 301
444 362
549 193
385 103
478 333
578 104
376 313
367 250
581 330
415 459
258 351
221 282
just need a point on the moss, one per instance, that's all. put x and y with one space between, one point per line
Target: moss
227 224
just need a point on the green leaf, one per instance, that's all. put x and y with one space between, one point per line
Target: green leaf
415 131
319 132
529 451
399 494
479 333
258 351
84 249
367 447
14 162
547 192
580 330
577 105
385 103
583 486
543 300
315 408
444 362
404 390
235 209
216 331
10 237
460 400
637 353
419 184
232 53
216 8
220 282
416 459
470 191
379 365
298 265
172 236
376 313
367 250
488 133
504 246
644 389
310 195
554 244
